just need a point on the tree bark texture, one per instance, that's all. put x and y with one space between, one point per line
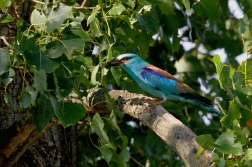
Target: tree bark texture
172 132
20 143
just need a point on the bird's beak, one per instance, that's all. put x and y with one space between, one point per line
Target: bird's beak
114 62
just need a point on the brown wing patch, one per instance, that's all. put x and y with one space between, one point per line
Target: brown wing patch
162 72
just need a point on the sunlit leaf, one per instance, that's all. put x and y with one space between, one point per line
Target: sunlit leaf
69 44
116 9
4 4
98 126
57 17
106 153
226 144
205 141
38 20
6 18
92 16
186 3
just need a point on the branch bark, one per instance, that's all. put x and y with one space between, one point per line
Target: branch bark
173 133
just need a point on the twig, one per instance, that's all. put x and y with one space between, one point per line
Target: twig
42 3
20 4
84 3
88 8
133 159
6 42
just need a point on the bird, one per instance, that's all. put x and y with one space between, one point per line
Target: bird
160 83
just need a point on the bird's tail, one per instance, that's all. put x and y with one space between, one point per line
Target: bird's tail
205 106
210 109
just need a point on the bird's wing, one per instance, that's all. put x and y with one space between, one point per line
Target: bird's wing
162 80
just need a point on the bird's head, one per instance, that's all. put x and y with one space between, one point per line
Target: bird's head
122 59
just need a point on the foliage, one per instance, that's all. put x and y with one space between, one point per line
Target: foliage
63 48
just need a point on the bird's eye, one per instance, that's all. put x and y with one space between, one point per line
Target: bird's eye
125 58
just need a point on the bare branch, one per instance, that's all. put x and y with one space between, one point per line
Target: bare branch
173 133
6 42
38 2
84 3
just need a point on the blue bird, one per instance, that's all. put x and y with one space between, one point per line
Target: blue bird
160 83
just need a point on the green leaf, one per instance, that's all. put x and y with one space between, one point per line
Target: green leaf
175 41
83 76
126 19
26 44
215 157
207 8
33 93
43 113
131 3
40 81
117 9
88 63
93 75
38 20
123 157
219 66
95 27
205 141
24 100
98 126
246 68
232 114
187 5
245 27
6 18
68 45
5 61
148 2
91 17
41 61
78 30
117 75
106 153
8 100
56 17
165 8
148 21
151 138
4 4
69 2
200 150
7 77
109 54
68 113
225 144
249 154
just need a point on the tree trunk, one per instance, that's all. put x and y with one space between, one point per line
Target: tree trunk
20 143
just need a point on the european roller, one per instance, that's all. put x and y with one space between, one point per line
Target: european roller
160 83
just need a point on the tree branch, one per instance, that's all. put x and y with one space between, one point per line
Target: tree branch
173 133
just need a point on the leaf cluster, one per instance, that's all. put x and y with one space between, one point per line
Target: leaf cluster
64 45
